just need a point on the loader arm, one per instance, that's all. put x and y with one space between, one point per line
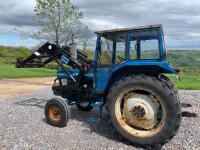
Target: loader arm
61 55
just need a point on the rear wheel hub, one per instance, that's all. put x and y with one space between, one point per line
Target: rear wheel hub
140 111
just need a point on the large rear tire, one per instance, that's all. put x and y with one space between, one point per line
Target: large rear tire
167 82
143 110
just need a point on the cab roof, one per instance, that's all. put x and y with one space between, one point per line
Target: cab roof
155 26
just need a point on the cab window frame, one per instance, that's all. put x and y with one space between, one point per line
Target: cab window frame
114 49
159 46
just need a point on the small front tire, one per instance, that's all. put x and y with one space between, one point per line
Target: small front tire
56 112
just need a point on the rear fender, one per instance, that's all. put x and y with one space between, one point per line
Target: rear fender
153 68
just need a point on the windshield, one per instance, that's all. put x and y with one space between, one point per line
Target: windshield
112 48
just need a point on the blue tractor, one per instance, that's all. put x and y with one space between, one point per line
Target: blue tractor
126 76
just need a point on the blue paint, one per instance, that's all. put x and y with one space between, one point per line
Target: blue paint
127 49
163 64
104 74
64 59
62 75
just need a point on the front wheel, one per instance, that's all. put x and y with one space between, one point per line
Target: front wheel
56 112
143 110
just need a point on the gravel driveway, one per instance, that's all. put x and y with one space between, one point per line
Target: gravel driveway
23 127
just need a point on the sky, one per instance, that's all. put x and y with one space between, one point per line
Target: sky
180 19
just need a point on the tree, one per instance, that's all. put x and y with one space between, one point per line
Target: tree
85 38
59 20
22 52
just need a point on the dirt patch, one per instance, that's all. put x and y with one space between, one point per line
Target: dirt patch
13 87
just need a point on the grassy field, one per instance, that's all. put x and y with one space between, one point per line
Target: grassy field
9 71
186 60
188 81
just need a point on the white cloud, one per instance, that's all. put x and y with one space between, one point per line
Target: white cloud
181 18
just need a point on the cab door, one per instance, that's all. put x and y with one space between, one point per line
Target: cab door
112 53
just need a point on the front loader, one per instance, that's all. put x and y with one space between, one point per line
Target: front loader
127 76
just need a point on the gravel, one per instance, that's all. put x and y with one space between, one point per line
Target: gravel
23 126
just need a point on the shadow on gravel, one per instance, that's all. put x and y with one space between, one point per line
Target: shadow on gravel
32 102
92 124
186 105
189 114
186 113
90 121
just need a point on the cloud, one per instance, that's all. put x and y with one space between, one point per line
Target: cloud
181 18
17 12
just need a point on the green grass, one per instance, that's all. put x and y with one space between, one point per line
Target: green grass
9 71
189 81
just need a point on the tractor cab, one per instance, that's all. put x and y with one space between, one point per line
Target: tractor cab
129 51
139 43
